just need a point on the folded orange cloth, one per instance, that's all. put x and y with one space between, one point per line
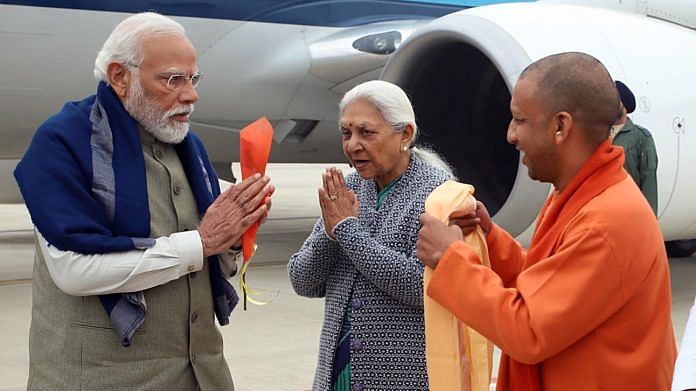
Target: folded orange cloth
255 148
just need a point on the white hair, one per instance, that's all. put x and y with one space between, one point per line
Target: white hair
395 107
124 45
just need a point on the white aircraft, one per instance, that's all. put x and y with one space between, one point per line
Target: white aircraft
291 61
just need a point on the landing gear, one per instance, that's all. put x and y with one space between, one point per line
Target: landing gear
681 248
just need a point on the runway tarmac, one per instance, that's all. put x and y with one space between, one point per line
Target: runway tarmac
271 347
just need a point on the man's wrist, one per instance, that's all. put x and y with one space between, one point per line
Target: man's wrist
204 243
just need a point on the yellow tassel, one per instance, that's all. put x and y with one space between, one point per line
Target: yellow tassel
248 291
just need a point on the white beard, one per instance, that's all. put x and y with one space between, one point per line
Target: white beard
147 112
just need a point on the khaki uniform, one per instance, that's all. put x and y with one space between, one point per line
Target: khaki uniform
641 159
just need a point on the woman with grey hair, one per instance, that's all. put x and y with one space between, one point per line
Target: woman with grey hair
361 255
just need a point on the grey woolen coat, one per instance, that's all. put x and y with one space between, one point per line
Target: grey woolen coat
370 274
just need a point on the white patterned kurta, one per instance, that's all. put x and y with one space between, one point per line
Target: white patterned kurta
371 270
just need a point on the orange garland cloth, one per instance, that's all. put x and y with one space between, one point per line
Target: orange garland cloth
458 358
255 148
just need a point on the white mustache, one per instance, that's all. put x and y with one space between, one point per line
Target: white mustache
188 109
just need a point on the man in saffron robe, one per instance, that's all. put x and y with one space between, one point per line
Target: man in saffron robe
587 306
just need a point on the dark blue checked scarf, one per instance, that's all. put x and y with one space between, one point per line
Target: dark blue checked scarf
83 181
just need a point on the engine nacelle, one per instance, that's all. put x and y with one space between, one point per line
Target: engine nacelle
459 71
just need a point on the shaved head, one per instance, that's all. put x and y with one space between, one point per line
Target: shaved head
579 84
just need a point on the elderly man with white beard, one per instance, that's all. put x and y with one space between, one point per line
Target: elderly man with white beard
134 242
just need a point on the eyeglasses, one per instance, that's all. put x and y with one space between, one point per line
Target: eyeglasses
177 81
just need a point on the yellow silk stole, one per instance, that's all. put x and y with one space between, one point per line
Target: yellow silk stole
458 358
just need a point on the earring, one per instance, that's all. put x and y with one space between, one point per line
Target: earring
405 148
558 134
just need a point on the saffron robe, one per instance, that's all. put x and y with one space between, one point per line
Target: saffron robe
588 307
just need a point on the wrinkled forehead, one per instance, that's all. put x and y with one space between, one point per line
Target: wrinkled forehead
175 70
523 91
357 122
173 53
361 112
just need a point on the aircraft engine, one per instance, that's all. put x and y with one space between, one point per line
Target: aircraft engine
459 71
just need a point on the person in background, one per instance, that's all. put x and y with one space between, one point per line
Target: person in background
132 233
685 367
638 145
361 254
588 305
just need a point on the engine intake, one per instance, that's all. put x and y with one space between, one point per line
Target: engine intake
459 79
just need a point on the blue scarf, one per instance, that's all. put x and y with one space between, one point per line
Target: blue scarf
83 181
